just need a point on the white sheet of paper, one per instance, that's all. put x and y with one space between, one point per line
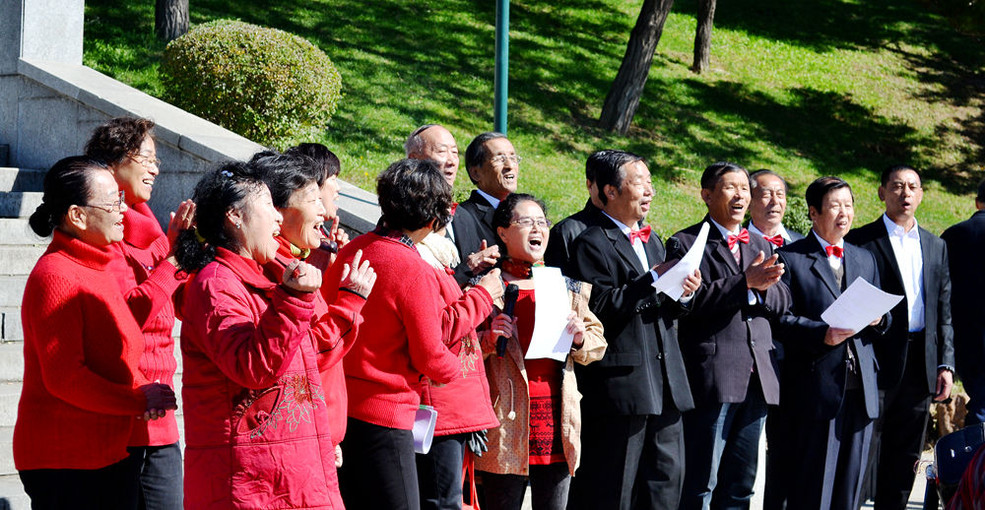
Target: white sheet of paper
671 283
859 305
550 338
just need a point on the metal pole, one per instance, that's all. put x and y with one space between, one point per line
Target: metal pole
502 64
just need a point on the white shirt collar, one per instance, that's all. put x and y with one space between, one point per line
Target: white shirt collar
726 232
623 227
782 232
895 230
489 198
825 244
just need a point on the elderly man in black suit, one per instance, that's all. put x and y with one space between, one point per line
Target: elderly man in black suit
494 168
768 207
916 358
633 398
727 345
966 249
829 388
566 230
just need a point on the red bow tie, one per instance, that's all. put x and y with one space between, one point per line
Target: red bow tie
743 237
777 240
454 205
837 251
642 234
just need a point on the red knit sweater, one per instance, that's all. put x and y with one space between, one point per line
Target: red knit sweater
81 350
333 328
401 338
148 282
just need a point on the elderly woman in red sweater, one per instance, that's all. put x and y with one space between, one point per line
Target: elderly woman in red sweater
256 425
294 185
82 389
149 276
400 343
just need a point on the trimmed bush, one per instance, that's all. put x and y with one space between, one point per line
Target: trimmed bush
797 217
265 84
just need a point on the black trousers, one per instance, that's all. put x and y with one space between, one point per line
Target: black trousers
439 473
114 487
901 431
379 470
629 462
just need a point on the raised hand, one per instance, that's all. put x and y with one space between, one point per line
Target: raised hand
492 283
359 277
483 259
302 277
764 272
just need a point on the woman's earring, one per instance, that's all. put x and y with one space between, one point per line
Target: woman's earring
238 225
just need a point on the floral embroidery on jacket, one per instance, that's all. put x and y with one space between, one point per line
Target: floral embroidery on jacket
292 400
470 354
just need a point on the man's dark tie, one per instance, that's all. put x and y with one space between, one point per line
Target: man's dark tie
837 251
777 240
743 238
642 234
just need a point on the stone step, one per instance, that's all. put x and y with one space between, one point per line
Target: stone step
21 179
19 204
11 362
12 290
10 394
6 451
12 496
17 231
11 329
19 260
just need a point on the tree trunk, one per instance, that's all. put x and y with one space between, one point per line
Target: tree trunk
624 96
702 36
170 19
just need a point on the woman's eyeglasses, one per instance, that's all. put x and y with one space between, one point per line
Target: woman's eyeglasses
110 207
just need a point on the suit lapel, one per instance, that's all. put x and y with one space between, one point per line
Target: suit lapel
722 253
885 248
748 252
621 244
654 251
851 263
822 269
929 270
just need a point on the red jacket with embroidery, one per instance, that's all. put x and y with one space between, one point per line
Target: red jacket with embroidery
333 329
463 405
401 340
81 349
256 425
148 283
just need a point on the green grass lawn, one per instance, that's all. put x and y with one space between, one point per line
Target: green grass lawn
810 88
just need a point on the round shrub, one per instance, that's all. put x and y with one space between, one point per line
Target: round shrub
797 217
265 84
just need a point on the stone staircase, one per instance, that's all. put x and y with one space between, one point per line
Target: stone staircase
20 248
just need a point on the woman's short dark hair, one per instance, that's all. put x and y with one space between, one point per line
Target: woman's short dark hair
504 213
475 153
220 190
412 193
714 172
325 164
604 168
67 183
821 187
118 138
283 174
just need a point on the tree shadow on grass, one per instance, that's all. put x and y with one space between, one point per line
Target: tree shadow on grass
838 135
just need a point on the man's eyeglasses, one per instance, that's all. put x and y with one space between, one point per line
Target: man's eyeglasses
110 207
146 161
530 222
503 158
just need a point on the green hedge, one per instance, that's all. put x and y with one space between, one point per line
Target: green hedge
265 84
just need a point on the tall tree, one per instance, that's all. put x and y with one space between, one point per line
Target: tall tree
624 96
170 19
702 36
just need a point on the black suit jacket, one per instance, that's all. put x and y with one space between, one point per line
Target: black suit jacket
642 369
723 337
966 250
473 224
814 374
563 234
939 337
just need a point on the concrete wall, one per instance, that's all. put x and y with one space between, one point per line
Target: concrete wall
48 109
